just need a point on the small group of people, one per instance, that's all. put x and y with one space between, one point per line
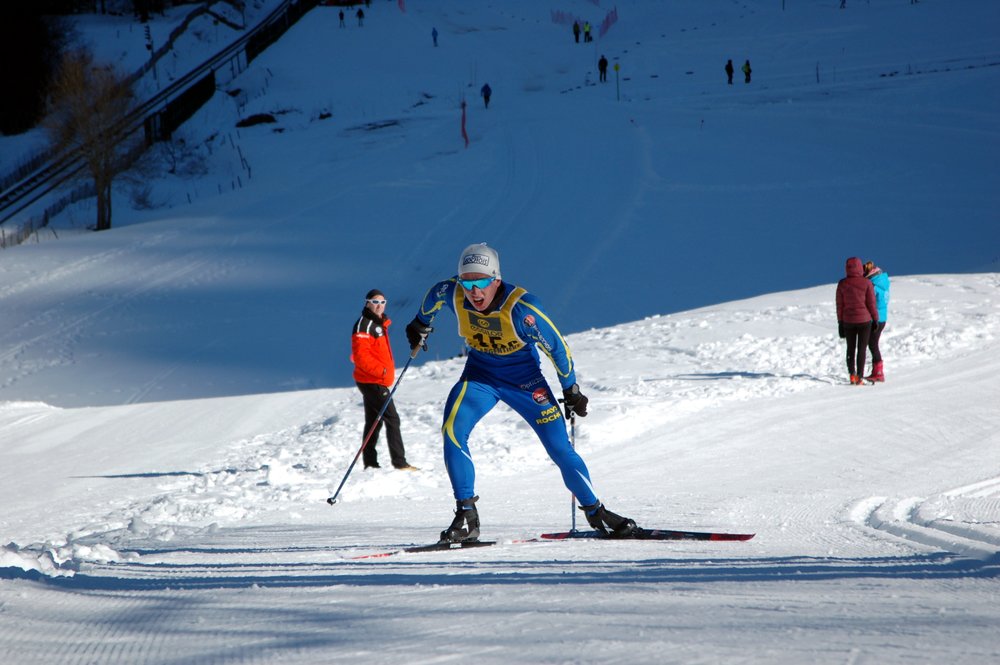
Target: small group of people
502 326
360 14
585 30
746 69
862 309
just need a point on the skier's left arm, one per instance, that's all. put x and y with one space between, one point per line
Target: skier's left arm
535 325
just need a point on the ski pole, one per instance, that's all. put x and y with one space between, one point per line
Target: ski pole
378 419
572 443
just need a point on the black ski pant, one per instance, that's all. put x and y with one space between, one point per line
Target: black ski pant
374 397
857 345
873 341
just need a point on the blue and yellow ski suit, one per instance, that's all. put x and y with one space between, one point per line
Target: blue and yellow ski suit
503 365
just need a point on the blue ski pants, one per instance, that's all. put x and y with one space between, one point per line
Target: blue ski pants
470 400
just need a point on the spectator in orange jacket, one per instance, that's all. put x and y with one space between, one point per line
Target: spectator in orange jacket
374 372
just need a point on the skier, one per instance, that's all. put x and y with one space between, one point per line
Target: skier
729 71
374 372
361 17
880 280
502 324
434 35
856 309
486 91
576 31
602 67
586 32
746 71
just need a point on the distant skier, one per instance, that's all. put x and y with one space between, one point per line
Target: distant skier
576 31
361 17
746 71
602 68
729 71
434 35
586 32
341 18
504 327
486 91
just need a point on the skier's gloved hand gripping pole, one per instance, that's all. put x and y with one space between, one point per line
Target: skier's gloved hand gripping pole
417 340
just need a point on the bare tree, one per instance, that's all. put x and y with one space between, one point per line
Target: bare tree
89 106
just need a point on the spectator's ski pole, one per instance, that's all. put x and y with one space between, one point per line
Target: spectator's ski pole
378 419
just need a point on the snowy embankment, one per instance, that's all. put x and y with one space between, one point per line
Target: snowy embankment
753 387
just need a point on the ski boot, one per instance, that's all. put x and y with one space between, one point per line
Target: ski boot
608 523
465 513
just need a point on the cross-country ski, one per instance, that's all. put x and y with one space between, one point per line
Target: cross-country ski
650 534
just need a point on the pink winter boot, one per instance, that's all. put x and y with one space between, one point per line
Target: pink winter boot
876 374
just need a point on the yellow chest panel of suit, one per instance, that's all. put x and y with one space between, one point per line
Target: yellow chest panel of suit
491 333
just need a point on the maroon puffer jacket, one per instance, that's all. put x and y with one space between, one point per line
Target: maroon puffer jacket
856 295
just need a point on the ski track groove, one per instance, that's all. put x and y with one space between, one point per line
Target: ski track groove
945 521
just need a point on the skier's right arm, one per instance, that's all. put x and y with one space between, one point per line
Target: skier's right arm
439 295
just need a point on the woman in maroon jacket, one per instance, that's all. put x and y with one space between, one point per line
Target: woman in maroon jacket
856 310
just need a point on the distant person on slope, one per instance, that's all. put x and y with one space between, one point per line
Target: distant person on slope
880 280
729 71
746 71
503 326
374 372
486 91
602 68
856 309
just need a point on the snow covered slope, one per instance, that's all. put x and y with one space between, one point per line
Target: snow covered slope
175 408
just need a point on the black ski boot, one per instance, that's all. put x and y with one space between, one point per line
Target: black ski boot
608 523
465 513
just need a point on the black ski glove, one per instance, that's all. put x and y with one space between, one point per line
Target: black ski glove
575 400
416 333
840 329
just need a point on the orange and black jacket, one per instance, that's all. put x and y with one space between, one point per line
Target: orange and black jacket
370 350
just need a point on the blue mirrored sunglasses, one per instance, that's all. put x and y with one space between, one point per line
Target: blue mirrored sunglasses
376 301
482 283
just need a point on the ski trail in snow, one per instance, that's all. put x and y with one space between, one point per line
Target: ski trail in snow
947 520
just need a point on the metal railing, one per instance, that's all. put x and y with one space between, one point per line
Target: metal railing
56 169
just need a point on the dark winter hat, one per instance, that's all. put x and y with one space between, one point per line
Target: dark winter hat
479 258
374 292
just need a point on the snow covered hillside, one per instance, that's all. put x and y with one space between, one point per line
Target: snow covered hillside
684 193
176 402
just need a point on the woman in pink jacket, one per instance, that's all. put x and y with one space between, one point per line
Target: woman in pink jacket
856 309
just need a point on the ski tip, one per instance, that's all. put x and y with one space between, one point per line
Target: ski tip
735 536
